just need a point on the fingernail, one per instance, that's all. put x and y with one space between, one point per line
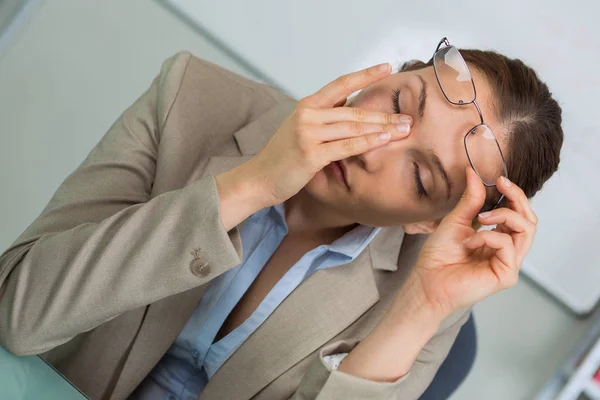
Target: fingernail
384 136
407 119
467 239
485 214
383 67
506 182
404 128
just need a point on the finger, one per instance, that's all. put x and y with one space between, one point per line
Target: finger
510 218
501 242
343 130
352 114
344 148
517 200
501 229
471 202
345 85
512 222
341 103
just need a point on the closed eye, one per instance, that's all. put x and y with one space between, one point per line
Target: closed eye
396 100
421 192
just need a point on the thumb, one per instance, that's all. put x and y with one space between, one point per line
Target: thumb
471 201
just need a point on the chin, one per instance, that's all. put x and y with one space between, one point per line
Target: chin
318 186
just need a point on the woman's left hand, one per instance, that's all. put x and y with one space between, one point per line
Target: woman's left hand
457 266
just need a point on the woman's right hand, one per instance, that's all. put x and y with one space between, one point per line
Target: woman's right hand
320 131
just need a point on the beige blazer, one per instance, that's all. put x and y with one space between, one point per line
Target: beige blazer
103 281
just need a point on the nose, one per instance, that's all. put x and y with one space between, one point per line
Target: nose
374 158
399 138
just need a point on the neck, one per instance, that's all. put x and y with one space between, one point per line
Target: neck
306 216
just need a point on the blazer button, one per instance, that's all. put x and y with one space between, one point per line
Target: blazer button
200 267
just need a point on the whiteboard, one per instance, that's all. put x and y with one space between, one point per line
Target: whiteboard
301 45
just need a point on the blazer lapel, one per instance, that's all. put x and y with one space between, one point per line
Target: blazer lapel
161 325
252 138
314 313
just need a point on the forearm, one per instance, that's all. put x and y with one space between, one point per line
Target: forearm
389 351
240 195
69 282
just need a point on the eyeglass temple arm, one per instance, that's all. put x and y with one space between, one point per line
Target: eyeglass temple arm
443 41
498 202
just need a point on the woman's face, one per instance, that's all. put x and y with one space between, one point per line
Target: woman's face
384 183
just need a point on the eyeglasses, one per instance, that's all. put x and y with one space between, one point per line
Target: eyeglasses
481 145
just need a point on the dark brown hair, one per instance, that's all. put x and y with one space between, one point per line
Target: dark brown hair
526 109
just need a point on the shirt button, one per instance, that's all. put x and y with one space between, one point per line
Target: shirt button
196 353
200 267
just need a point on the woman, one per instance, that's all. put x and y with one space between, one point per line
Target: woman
211 246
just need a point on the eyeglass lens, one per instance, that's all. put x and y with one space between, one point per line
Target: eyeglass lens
454 76
480 143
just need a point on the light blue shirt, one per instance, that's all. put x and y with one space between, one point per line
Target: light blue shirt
193 359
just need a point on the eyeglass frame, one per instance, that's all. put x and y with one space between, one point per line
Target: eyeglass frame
474 102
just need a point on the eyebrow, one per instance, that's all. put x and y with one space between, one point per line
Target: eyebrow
435 160
422 96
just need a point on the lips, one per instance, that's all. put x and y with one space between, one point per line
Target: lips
343 169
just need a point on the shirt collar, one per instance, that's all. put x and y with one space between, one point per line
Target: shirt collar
351 244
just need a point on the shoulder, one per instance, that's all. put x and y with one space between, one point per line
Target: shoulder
198 82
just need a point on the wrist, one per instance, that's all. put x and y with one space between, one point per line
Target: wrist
258 182
240 195
412 304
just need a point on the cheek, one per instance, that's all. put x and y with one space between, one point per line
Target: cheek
319 183
388 188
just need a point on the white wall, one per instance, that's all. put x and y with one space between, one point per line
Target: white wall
69 73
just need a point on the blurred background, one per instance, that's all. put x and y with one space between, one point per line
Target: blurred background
68 68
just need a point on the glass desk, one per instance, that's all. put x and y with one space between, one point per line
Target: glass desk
31 378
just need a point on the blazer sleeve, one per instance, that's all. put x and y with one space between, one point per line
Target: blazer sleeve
321 382
103 246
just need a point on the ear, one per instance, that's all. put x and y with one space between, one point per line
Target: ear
421 227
